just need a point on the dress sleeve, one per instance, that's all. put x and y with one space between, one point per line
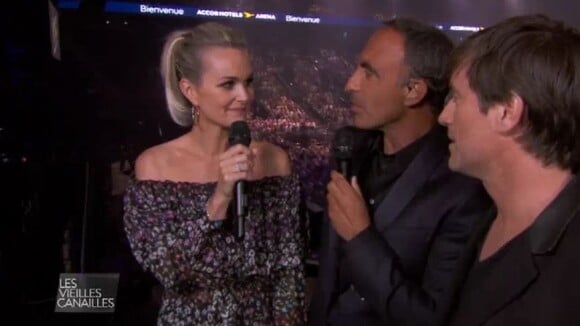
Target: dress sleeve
168 232
289 274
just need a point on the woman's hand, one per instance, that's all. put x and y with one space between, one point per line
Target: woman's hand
235 164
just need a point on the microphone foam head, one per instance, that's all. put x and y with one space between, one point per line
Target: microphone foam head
240 133
342 145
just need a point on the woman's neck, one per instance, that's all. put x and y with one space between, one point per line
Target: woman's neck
211 139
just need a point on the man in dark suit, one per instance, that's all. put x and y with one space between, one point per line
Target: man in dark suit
397 228
514 122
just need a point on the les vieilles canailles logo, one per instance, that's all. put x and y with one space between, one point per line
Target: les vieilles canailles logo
87 293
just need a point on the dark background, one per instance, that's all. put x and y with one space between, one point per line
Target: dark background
71 128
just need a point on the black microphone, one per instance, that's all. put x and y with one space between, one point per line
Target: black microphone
342 148
240 134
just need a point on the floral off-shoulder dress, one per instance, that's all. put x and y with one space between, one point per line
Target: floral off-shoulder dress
210 277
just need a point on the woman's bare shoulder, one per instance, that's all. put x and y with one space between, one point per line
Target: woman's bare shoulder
148 163
151 163
273 158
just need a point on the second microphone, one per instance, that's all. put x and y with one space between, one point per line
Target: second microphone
239 133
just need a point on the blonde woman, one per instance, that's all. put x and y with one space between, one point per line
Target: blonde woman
176 209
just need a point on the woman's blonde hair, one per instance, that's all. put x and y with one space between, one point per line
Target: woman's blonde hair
181 59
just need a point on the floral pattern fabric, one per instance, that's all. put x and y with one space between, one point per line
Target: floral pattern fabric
209 276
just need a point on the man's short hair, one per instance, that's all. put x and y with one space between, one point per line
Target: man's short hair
537 58
427 51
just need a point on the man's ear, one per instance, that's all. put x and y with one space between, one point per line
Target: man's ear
507 117
189 90
415 91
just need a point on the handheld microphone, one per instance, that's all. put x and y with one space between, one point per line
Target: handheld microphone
239 133
342 148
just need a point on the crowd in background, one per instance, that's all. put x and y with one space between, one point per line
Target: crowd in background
299 103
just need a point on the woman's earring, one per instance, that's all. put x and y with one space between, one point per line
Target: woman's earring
194 114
